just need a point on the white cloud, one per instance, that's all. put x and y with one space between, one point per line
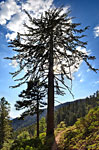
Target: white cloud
12 13
88 52
81 80
78 62
96 31
70 71
13 114
37 6
79 75
16 25
74 68
11 36
65 9
7 10
25 69
88 70
97 82
14 63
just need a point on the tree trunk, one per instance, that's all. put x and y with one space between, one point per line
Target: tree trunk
50 109
37 117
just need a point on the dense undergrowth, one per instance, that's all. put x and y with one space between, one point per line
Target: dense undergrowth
24 139
24 142
32 144
83 135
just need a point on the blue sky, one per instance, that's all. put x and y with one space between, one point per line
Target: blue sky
85 82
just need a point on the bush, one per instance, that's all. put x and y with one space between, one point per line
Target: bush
60 127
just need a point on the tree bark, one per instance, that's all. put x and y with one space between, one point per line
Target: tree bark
50 109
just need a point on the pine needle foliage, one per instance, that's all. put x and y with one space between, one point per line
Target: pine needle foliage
49 49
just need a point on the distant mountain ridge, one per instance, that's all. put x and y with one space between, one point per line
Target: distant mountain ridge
29 120
68 112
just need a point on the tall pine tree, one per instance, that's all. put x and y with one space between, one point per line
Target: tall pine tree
5 124
49 48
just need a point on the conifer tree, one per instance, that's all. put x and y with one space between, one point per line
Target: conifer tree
32 100
5 124
49 48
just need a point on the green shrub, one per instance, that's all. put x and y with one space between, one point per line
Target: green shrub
29 148
60 127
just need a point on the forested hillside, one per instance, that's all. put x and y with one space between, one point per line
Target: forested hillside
67 112
18 123
84 134
73 110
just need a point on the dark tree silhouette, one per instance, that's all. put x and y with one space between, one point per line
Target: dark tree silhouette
49 48
32 100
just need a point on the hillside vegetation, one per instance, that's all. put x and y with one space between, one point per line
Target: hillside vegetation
71 111
83 135
80 131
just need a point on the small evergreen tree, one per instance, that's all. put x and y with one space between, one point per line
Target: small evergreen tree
32 100
5 124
